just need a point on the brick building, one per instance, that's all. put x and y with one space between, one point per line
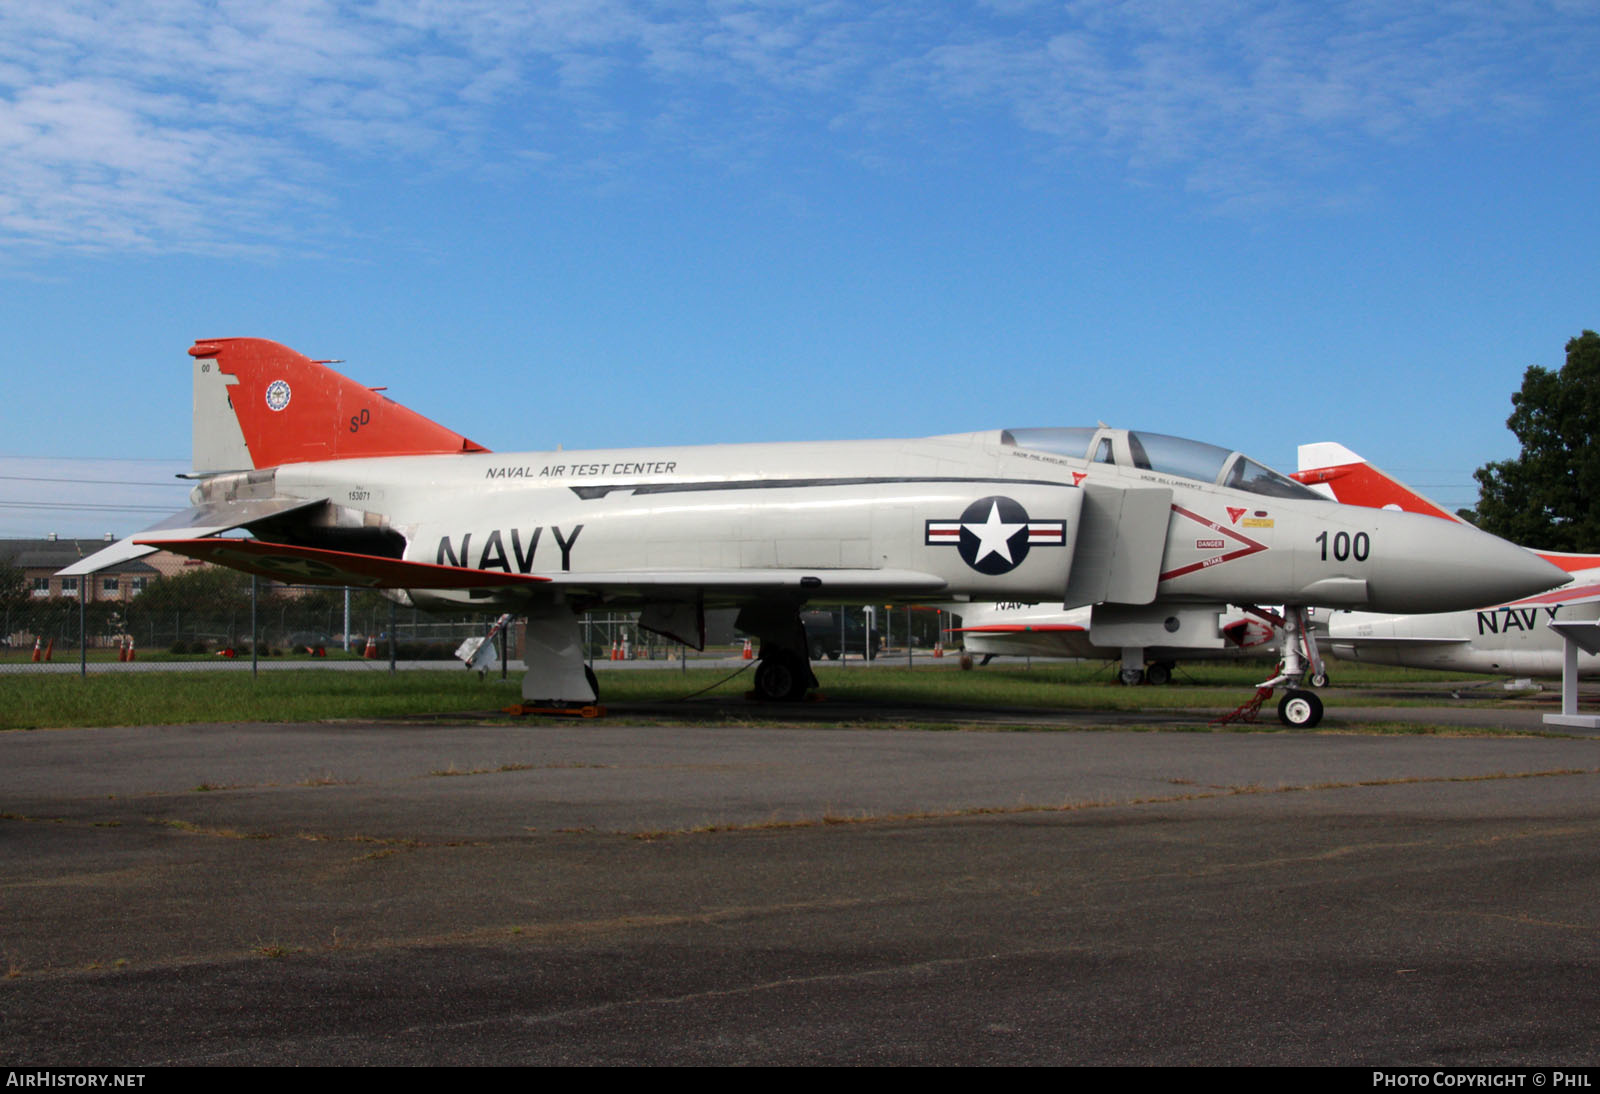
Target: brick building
40 559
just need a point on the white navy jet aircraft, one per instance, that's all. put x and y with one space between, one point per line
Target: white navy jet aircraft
1044 630
337 484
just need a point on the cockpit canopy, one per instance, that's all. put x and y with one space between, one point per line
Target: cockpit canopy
1167 455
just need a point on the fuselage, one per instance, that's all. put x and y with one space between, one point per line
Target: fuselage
1507 638
1044 630
994 515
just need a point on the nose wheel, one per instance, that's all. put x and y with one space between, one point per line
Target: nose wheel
1300 709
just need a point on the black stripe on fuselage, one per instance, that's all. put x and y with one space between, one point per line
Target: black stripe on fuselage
589 493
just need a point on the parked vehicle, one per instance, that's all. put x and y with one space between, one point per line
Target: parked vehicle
823 635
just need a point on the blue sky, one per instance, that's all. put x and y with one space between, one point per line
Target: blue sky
607 223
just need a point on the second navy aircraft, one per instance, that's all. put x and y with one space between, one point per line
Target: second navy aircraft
1513 637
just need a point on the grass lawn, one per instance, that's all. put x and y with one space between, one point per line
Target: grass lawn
48 701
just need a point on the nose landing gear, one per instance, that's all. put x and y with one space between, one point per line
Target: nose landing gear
1299 708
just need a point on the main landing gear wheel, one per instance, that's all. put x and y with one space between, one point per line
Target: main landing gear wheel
1300 709
1158 674
1131 677
781 679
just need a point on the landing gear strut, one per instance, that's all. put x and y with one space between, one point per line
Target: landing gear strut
784 673
1299 708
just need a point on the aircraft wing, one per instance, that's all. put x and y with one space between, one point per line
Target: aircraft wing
203 520
1018 628
314 566
1395 640
1585 593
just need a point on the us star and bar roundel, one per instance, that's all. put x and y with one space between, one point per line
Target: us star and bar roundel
995 534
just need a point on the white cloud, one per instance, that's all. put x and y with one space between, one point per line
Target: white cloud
211 126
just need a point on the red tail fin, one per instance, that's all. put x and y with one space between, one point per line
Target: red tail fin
291 409
1353 481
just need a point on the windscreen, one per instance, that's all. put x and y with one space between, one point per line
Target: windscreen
1169 455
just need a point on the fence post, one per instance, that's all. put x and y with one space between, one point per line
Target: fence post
255 639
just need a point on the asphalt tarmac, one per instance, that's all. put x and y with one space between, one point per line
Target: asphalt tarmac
569 892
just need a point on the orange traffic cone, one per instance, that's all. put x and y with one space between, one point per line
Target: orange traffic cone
37 639
371 653
49 648
122 650
938 649
749 654
131 656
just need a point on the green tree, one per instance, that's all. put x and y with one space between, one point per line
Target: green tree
13 586
206 602
1549 497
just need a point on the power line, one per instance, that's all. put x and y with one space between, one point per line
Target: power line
92 482
63 506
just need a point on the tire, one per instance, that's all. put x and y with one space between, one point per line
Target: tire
1300 710
1158 674
781 680
1131 677
1319 679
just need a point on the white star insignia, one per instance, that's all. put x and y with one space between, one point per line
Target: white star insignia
994 535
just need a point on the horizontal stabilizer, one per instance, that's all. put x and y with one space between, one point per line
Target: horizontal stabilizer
209 519
314 566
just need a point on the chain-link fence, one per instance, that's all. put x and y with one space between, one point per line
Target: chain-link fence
218 618
224 621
